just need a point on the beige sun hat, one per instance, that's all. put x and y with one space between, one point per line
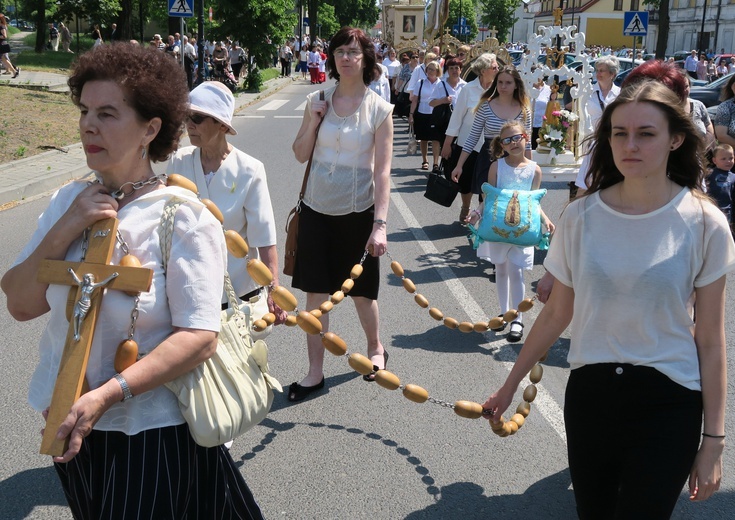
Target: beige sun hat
213 99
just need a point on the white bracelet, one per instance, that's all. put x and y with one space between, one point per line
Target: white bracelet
127 394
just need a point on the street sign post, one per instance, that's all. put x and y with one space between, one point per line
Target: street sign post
181 8
635 23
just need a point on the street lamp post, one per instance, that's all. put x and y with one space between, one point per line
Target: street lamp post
701 32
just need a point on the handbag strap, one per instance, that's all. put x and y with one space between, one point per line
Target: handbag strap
311 155
166 233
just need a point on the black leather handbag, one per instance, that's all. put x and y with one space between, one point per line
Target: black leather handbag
441 190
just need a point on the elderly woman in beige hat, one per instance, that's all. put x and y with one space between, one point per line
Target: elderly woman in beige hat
233 180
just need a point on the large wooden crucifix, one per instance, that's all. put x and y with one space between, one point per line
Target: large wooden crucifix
92 277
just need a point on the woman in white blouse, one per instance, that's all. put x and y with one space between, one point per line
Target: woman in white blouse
233 180
345 205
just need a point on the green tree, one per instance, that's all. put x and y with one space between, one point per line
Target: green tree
328 21
260 28
467 10
499 13
356 13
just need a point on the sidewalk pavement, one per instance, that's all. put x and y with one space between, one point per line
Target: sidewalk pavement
47 171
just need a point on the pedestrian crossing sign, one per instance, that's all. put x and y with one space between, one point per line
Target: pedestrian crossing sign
181 8
635 23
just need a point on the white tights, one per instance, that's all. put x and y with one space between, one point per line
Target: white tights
510 285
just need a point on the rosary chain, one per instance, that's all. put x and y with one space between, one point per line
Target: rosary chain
134 316
119 194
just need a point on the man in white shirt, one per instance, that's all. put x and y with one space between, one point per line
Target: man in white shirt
690 64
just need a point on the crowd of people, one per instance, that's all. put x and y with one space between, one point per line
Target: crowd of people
627 260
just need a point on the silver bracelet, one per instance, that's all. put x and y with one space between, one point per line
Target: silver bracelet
127 394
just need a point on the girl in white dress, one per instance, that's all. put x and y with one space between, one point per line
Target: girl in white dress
514 171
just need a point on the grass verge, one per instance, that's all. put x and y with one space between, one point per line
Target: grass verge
35 119
50 61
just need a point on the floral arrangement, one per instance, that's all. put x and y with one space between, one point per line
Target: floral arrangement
553 133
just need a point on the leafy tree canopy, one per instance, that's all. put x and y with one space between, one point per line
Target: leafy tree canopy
499 13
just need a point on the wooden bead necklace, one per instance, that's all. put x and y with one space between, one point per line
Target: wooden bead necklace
309 322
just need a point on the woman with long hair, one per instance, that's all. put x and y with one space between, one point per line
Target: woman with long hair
5 47
505 100
630 258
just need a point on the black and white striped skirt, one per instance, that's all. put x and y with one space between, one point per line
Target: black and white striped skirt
157 474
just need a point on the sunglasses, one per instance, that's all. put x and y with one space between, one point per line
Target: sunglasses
512 139
197 119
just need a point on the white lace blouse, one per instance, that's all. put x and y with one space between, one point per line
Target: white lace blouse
341 179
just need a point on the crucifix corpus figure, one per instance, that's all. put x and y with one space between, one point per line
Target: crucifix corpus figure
83 318
86 288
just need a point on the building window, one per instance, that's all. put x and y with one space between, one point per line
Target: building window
634 5
618 5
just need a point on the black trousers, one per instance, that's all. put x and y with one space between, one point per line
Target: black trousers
632 435
157 474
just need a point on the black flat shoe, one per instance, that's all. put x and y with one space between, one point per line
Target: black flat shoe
371 376
500 329
296 392
514 336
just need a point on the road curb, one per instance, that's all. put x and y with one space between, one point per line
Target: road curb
45 172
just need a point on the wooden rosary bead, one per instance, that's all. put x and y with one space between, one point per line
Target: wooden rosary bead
436 314
510 315
525 305
360 363
519 419
126 355
316 313
529 394
337 297
481 326
421 300
537 372
496 322
260 325
524 409
508 429
236 245
347 285
214 210
130 261
291 321
334 344
468 409
174 179
387 379
409 285
325 307
466 327
283 298
259 272
269 318
415 393
397 269
497 426
356 271
309 323
451 323
512 426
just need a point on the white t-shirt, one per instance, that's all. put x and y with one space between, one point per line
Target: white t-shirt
393 66
424 90
240 190
417 75
341 178
634 278
188 295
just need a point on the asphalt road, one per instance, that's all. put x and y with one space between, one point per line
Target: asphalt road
358 450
